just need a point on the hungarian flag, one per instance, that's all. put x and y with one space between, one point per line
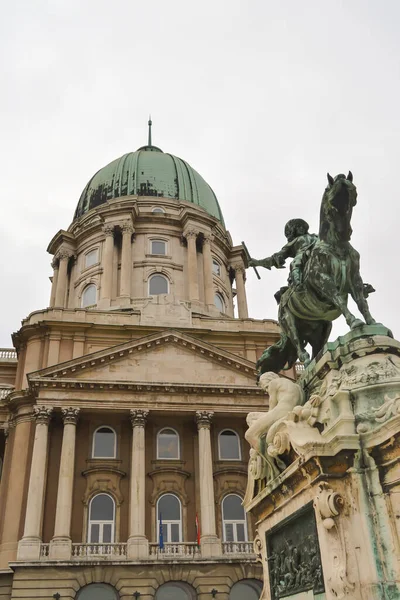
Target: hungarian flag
161 535
197 530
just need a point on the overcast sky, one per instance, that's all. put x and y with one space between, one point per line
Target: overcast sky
261 97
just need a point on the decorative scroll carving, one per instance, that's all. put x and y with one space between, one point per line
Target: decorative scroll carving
42 414
258 546
390 408
138 417
328 504
203 418
70 415
191 233
239 269
55 263
64 253
108 230
294 561
127 228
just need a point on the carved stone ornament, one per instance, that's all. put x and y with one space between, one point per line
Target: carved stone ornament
138 417
64 253
328 504
239 269
108 230
203 418
42 414
191 233
127 227
208 238
258 546
70 415
389 409
55 264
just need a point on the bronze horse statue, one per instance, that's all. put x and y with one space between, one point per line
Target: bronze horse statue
331 272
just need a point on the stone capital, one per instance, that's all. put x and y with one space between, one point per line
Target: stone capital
54 263
127 228
208 238
239 269
42 414
138 417
191 233
108 230
70 415
203 418
64 254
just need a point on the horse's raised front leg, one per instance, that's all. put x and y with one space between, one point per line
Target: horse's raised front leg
357 289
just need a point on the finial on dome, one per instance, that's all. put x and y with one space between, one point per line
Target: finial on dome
150 124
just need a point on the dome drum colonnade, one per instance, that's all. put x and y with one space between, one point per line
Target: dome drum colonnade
65 268
29 547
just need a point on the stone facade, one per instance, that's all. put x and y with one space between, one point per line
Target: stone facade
110 358
328 522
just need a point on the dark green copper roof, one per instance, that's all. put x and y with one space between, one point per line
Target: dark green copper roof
148 172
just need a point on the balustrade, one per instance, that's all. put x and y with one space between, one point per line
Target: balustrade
110 551
237 548
178 550
8 353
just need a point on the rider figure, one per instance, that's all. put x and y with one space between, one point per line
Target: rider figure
297 247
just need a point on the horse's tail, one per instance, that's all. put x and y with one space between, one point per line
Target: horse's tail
278 357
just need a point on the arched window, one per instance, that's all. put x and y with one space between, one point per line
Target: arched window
97 591
167 444
219 302
158 247
234 519
104 443
229 445
89 296
216 267
101 519
169 512
158 284
248 588
158 210
91 258
175 590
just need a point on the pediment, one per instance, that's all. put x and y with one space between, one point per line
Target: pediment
167 357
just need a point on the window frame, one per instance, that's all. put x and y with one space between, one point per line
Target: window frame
94 439
158 210
169 522
91 284
101 523
234 523
220 296
158 275
238 443
96 262
179 444
218 264
165 242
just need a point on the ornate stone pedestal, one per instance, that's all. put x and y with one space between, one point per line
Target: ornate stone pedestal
325 486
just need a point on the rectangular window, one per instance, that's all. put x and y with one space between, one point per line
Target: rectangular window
158 247
91 258
95 533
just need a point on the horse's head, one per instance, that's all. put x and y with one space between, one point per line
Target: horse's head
336 208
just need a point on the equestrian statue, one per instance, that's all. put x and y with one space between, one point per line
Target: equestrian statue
325 269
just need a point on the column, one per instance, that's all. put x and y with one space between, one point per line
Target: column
126 260
210 544
14 494
241 292
29 546
54 264
138 545
60 545
107 260
192 265
208 272
64 256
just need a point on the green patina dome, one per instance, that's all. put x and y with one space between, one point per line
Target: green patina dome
148 172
